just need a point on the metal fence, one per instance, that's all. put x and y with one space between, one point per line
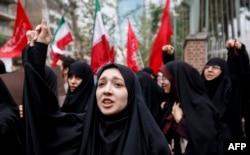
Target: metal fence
221 19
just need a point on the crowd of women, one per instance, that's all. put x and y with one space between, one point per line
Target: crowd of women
178 112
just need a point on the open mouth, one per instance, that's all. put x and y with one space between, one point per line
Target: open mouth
107 103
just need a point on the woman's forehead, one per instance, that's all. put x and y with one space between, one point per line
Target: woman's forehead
111 73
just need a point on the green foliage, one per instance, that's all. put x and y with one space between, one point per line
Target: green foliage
155 14
148 24
3 39
181 29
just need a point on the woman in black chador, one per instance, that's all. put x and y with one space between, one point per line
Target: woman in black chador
218 84
153 94
81 83
48 130
118 121
11 128
190 118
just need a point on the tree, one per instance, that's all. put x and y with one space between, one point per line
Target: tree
148 25
81 15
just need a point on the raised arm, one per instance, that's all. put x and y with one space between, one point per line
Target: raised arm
167 53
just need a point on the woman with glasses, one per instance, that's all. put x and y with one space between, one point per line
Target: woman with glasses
226 83
218 83
190 118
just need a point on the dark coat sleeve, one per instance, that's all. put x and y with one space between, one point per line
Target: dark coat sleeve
167 57
48 131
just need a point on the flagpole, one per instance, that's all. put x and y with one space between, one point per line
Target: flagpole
140 58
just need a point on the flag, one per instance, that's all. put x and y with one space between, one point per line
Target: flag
101 52
132 48
112 54
61 38
13 47
163 37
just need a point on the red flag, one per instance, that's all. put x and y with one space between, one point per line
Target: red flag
13 47
132 47
162 38
112 54
101 53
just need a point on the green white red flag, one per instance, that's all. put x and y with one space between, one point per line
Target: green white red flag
101 52
61 38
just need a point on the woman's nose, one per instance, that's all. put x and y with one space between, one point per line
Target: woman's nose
107 88
210 68
73 80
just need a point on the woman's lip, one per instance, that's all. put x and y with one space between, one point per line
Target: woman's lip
72 88
107 103
209 76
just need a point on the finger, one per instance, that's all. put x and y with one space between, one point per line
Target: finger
32 38
45 28
28 36
36 33
38 28
44 22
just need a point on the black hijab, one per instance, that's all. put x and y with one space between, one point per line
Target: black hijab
76 102
153 94
132 131
219 89
200 114
11 129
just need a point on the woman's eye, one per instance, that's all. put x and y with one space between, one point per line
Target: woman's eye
118 84
100 84
78 78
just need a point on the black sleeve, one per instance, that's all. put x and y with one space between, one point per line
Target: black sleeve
167 57
238 61
37 57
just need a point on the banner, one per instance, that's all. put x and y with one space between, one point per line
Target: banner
13 47
163 37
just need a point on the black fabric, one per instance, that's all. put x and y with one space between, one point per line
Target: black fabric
149 71
77 100
219 91
48 130
51 79
11 128
2 67
153 94
167 57
238 62
199 112
132 131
